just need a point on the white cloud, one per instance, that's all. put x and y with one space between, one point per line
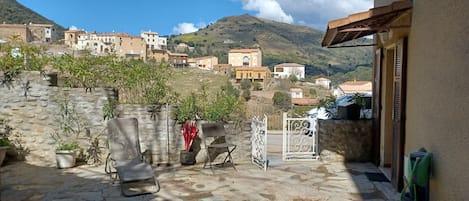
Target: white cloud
269 9
316 13
73 28
185 27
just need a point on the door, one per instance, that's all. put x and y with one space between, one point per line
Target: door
376 105
398 112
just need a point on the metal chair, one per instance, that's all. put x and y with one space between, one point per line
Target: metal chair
126 157
216 131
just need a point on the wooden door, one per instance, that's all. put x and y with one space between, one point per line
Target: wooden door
377 106
398 112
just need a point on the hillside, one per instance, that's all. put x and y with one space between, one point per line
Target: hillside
280 42
13 12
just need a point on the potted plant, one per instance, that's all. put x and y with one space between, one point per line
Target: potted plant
66 137
189 132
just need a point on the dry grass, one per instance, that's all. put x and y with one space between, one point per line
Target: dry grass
189 80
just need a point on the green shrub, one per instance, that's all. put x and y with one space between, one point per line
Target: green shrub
245 84
281 100
246 94
293 78
257 86
187 109
313 92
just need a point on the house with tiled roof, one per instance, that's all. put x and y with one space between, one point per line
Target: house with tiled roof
296 92
284 70
43 33
353 87
323 82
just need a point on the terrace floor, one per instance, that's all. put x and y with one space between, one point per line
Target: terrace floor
313 180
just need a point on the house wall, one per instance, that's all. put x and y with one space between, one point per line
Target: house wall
386 110
236 58
286 71
131 46
251 74
9 30
437 93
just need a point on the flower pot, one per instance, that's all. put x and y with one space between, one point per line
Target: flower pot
187 157
3 151
65 158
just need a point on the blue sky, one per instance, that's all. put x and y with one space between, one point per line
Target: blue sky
184 16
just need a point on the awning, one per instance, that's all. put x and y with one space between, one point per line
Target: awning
364 23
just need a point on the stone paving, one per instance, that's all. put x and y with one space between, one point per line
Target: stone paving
313 180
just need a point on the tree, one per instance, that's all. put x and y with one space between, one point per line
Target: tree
257 86
313 92
246 94
245 84
282 100
293 78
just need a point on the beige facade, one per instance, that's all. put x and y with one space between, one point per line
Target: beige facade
158 55
42 33
206 62
245 57
122 45
178 59
420 95
224 69
131 47
255 74
71 37
324 82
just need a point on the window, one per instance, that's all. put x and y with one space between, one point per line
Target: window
245 61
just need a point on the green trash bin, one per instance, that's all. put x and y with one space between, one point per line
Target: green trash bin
419 169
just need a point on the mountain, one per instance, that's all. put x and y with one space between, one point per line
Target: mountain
280 42
12 12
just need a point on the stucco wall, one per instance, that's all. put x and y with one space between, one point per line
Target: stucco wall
345 140
438 93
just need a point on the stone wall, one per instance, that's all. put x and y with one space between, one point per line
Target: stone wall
34 114
345 140
35 117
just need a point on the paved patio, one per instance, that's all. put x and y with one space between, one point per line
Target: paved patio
314 180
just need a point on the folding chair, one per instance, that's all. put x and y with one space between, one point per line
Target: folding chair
216 131
126 157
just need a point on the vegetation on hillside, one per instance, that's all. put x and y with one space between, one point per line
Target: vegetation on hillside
279 42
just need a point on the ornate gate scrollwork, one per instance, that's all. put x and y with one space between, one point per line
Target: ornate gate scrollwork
259 141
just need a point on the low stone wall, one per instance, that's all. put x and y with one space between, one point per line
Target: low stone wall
35 117
345 140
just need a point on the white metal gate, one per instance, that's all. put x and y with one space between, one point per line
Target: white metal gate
259 142
300 139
